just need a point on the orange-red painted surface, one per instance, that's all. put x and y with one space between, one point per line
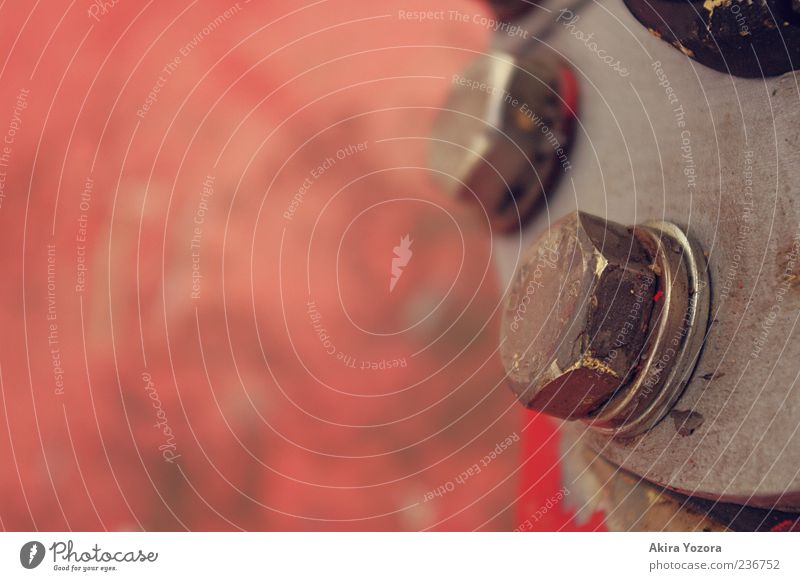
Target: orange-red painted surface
161 357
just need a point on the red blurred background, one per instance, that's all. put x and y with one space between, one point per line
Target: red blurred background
184 349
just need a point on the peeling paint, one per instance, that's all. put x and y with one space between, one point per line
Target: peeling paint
710 5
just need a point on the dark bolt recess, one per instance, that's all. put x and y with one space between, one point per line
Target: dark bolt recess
746 38
508 10
502 139
602 322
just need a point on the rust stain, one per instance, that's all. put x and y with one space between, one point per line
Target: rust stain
686 422
787 262
589 362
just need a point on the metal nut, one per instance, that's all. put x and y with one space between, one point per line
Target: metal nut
604 322
502 139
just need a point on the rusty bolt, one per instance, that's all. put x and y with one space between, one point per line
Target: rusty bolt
502 140
578 315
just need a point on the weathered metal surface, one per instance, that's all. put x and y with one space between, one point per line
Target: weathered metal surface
568 343
627 502
741 37
677 329
502 139
719 156
630 503
604 322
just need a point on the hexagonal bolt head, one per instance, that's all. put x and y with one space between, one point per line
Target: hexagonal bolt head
578 315
501 142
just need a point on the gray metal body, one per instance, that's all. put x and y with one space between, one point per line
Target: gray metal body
720 157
